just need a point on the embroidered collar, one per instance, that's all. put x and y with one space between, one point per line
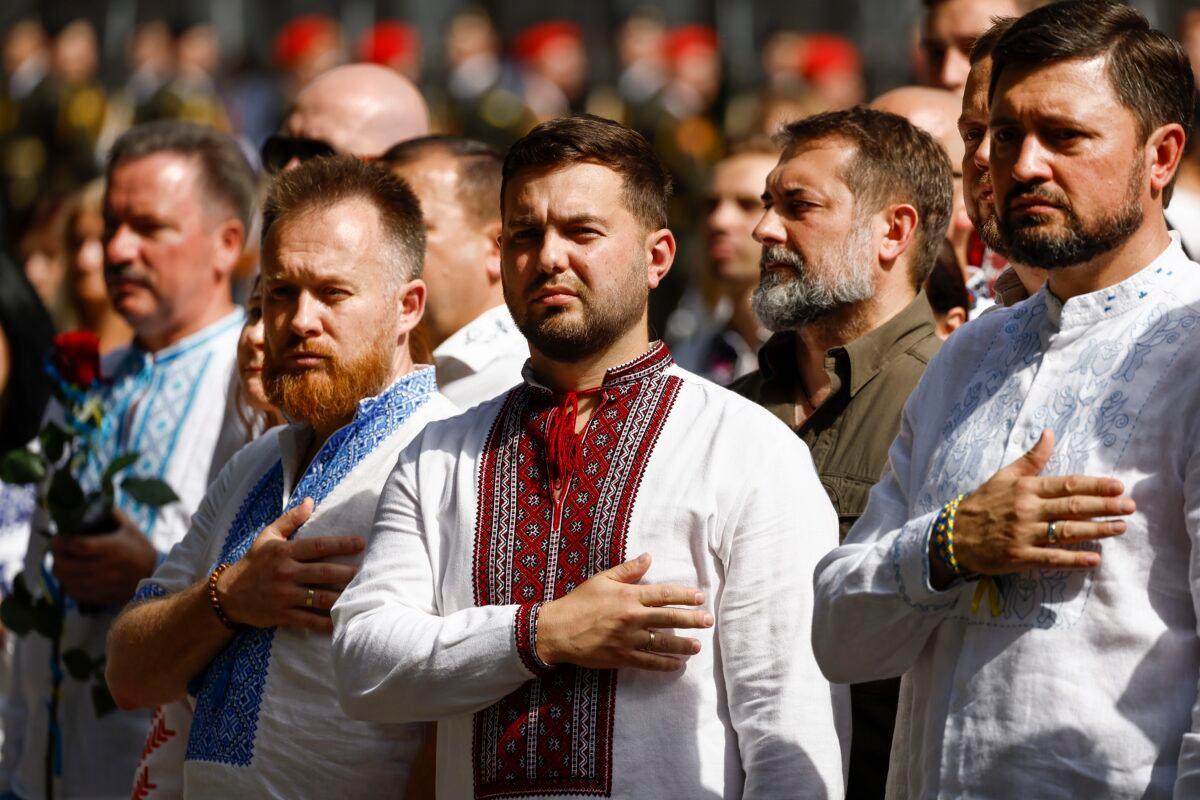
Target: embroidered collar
656 360
1138 289
136 358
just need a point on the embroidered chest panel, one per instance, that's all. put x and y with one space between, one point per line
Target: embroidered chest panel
1092 394
229 692
554 735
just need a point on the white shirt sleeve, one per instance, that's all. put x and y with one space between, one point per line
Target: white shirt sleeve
1187 781
875 608
396 657
790 721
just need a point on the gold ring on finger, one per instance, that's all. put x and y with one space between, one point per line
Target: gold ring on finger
650 644
308 601
1052 532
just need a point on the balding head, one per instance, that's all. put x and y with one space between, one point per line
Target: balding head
359 109
934 111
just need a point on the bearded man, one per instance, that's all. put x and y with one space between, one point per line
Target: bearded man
856 213
497 595
237 616
1029 559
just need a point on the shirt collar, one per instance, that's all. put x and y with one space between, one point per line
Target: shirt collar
655 360
1138 289
864 357
489 336
233 320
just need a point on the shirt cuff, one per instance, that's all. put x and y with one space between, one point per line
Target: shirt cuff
147 590
910 562
525 629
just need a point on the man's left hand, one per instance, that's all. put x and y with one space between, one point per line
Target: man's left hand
104 569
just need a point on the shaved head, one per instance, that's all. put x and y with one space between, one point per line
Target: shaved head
934 111
359 109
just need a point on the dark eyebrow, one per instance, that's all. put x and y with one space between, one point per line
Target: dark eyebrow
583 219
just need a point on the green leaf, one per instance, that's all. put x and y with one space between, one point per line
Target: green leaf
119 463
17 614
46 618
78 664
21 466
149 491
102 700
54 440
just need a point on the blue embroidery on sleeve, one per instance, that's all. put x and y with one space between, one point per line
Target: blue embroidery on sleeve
229 692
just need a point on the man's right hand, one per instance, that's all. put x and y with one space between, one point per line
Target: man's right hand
606 622
269 586
1002 526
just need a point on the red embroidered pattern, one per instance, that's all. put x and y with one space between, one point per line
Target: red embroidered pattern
554 735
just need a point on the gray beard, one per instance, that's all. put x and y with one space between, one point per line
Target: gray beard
786 303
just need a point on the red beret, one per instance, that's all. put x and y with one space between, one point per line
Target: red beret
825 53
387 41
534 40
299 35
680 40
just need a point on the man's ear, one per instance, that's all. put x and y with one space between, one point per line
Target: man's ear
900 233
491 232
229 239
1164 148
412 304
660 246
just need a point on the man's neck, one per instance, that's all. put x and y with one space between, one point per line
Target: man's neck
589 372
1117 265
219 308
839 329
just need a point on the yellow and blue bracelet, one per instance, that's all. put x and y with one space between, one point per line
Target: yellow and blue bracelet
943 535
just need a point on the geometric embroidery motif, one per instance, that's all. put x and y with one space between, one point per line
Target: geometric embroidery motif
554 735
229 692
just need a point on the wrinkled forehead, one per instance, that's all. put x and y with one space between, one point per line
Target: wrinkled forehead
1073 89
975 91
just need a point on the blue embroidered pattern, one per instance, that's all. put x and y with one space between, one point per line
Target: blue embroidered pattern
1097 410
146 591
229 692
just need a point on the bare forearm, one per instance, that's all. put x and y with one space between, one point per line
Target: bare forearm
156 647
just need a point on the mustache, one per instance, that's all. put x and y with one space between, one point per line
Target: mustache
126 272
555 280
1040 191
296 347
778 254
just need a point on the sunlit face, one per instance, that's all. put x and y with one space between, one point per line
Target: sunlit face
734 202
1068 164
818 251
951 28
332 318
977 179
162 249
250 352
575 261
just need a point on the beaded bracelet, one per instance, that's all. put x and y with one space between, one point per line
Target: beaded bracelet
216 601
943 535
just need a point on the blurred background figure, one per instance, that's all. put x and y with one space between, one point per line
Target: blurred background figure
394 45
40 250
307 46
254 408
83 254
554 69
832 68
947 293
191 92
950 28
641 56
715 332
483 91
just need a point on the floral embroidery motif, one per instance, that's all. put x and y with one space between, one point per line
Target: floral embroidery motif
554 735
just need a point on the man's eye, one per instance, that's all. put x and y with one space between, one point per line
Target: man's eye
1004 135
1067 135
972 135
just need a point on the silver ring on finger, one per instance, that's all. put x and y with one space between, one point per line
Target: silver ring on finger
1052 532
649 648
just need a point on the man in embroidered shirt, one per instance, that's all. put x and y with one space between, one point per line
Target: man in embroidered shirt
1045 658
341 263
497 595
856 212
477 348
178 202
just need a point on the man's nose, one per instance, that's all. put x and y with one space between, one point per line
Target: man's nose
121 247
769 230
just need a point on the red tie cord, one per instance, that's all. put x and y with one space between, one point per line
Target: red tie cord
563 450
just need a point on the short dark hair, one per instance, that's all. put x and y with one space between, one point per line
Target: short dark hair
321 183
225 173
479 165
588 139
895 162
985 45
1148 70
